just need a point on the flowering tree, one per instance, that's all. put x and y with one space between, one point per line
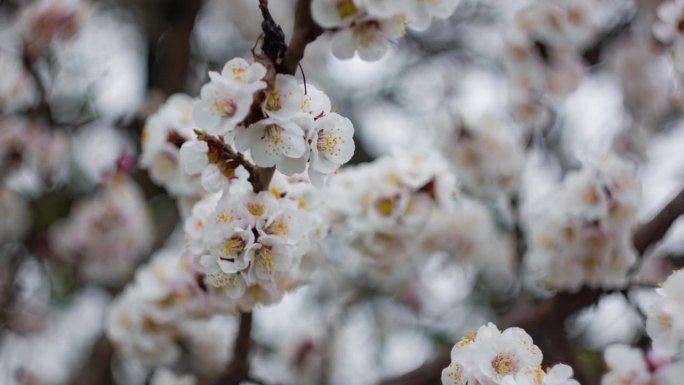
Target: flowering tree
341 191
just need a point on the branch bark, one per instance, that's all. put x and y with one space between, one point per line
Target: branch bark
305 31
98 368
238 370
655 229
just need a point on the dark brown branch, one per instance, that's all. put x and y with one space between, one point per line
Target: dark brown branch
98 368
238 370
655 229
305 31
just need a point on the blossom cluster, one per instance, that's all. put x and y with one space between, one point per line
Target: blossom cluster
468 234
383 207
367 27
143 321
248 245
665 321
280 122
162 309
33 157
45 20
495 357
487 156
164 133
668 30
628 366
105 236
580 234
542 55
18 90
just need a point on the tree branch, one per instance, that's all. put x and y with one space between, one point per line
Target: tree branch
98 368
238 370
655 229
305 31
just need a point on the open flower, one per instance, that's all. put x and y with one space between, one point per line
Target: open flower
273 142
332 144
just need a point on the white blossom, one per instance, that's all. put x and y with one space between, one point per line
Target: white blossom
368 27
629 366
332 144
493 357
105 235
381 210
284 99
580 234
228 97
252 245
274 142
665 322
164 376
164 134
17 88
370 39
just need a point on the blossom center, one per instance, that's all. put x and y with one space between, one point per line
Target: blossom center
234 245
385 206
272 133
264 258
503 363
277 227
256 209
327 143
224 217
238 72
226 107
273 102
346 8
367 33
222 279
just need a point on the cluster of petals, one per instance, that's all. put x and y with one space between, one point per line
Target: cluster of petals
581 233
495 357
629 366
146 320
106 235
164 376
665 317
32 156
248 245
368 27
164 133
17 88
45 20
468 234
669 29
383 207
487 157
280 122
542 55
